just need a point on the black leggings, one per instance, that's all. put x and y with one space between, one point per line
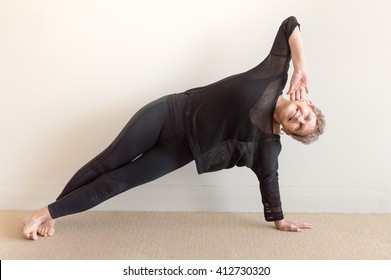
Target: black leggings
146 149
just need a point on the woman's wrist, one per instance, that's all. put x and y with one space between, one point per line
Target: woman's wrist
279 223
299 69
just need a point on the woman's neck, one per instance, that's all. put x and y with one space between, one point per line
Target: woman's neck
277 115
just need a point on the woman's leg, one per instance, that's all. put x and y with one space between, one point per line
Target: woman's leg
139 135
158 161
147 148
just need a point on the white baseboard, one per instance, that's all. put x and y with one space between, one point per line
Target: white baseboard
333 199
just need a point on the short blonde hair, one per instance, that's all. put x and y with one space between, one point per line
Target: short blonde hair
319 129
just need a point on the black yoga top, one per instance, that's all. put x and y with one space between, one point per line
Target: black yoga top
230 123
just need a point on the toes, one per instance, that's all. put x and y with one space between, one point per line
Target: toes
51 232
32 236
46 229
43 231
40 230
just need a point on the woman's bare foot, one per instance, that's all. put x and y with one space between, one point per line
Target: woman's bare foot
40 223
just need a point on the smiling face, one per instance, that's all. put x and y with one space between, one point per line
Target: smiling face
298 118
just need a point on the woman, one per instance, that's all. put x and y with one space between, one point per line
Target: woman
233 122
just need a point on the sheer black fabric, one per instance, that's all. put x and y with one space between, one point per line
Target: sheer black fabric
230 122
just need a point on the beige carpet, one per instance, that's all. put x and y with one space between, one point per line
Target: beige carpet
199 235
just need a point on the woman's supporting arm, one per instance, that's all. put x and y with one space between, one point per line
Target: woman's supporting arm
291 226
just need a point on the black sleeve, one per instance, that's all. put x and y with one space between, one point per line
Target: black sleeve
266 169
281 45
278 60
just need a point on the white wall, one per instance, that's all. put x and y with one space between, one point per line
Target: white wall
73 72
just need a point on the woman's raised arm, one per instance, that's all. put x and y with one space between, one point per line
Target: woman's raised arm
299 80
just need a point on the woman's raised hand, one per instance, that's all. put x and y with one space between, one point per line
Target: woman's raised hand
298 85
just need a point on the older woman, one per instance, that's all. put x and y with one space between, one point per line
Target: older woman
234 122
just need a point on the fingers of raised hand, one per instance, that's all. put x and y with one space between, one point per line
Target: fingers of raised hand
298 86
297 92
